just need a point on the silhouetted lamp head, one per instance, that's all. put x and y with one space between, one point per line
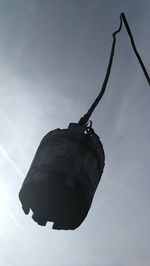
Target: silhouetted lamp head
68 165
63 177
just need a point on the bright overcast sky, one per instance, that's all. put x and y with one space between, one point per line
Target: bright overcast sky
53 58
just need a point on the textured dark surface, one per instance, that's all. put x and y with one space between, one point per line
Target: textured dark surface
63 177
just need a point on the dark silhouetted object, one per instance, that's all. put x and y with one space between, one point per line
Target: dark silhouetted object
68 165
63 177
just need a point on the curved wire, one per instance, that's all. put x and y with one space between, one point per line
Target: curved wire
83 120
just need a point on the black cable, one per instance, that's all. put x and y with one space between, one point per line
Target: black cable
83 120
134 47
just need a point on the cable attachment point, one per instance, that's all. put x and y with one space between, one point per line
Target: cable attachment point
89 130
89 123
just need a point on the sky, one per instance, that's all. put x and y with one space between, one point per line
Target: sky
53 58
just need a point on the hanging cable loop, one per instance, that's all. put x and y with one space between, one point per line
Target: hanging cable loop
83 120
86 117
